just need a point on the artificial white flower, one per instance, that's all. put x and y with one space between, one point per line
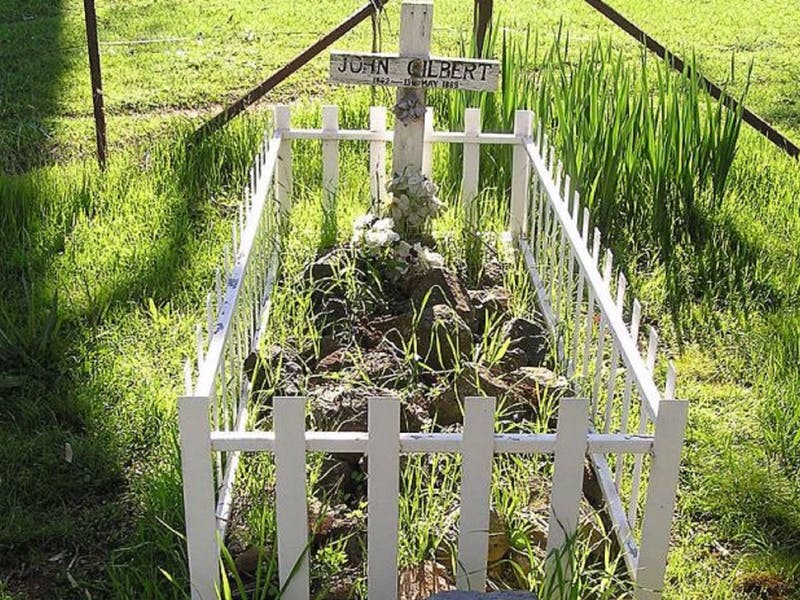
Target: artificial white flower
363 221
428 259
403 250
385 224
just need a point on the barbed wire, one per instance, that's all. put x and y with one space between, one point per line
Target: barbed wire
147 43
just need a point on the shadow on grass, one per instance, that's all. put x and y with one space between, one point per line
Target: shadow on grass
86 372
35 51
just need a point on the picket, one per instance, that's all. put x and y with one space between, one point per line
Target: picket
476 478
660 504
520 173
330 159
290 497
590 314
612 369
633 508
383 485
283 174
377 155
471 158
626 396
198 496
571 448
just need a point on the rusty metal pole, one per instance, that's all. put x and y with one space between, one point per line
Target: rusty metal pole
97 81
229 112
482 18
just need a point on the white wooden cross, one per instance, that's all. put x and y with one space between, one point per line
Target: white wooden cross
413 71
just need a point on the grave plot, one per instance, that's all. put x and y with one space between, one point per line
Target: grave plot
435 377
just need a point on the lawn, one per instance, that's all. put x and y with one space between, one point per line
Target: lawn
104 276
176 60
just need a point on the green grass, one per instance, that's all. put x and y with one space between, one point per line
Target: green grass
120 263
103 277
195 60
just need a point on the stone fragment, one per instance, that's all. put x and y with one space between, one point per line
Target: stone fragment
340 406
513 359
327 288
339 476
439 286
381 364
247 562
320 520
492 273
487 304
342 588
343 407
277 369
443 337
528 336
420 581
532 385
498 538
394 329
522 562
337 360
473 380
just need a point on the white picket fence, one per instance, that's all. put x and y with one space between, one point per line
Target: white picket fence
631 432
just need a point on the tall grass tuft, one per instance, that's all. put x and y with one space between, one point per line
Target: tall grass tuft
649 151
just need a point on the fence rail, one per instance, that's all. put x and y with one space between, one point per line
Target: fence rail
630 431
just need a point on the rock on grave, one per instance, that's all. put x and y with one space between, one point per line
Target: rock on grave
492 273
528 336
343 407
536 383
422 580
513 359
439 286
474 380
499 543
279 369
529 387
488 303
443 337
327 291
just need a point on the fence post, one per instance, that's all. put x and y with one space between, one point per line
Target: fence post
383 491
670 428
198 496
520 174
472 157
571 446
482 18
377 155
476 479
290 496
283 179
427 145
330 159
